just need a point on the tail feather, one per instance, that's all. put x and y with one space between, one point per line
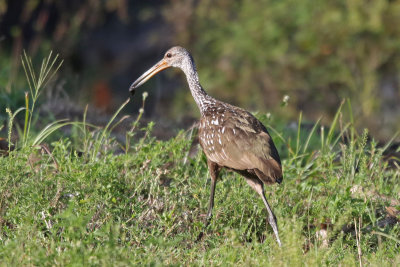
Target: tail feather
271 172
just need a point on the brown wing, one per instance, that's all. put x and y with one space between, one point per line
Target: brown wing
235 139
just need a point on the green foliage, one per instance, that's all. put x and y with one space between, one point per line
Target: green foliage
145 207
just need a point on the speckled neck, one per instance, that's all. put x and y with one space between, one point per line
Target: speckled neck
203 100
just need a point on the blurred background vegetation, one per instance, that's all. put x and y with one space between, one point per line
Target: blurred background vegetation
248 53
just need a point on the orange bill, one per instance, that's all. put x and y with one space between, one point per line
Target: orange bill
161 65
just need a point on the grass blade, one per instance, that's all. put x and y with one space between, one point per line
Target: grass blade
333 125
26 118
310 135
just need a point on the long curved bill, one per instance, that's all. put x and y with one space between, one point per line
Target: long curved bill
161 65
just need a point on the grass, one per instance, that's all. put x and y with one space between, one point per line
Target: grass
64 205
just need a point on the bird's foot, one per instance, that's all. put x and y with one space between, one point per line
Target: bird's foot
274 225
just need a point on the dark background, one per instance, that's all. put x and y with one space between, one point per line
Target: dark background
248 53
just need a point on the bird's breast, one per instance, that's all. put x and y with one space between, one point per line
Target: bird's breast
214 137
211 133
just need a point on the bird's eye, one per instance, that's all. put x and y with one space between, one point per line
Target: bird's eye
169 55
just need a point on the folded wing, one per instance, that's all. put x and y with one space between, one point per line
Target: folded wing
241 142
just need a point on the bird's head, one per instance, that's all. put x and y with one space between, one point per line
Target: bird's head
176 56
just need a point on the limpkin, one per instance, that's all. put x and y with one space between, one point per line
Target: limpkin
230 136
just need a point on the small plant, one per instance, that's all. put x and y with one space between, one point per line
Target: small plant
104 134
129 134
37 82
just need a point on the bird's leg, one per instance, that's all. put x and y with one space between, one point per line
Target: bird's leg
257 185
214 171
211 203
271 219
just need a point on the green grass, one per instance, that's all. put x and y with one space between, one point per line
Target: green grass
79 203
146 206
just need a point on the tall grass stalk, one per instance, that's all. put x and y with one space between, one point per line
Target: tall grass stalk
26 115
11 117
37 82
129 134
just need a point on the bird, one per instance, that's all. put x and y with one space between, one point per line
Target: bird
229 136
